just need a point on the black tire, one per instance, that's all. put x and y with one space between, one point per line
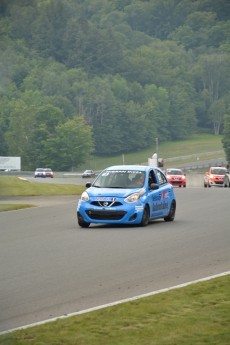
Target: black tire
205 186
145 217
172 212
83 224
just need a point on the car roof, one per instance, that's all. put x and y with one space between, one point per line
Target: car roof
129 167
177 169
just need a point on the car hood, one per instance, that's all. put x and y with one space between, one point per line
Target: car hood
111 192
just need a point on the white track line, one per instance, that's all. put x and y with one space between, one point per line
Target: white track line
117 302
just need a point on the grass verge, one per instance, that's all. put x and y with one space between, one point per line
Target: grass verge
196 314
13 186
11 207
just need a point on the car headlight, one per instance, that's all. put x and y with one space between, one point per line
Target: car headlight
133 197
85 196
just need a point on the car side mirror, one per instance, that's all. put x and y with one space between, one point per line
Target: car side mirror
154 186
88 184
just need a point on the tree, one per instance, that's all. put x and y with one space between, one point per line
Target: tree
212 83
226 135
217 111
182 113
18 135
69 146
160 118
200 24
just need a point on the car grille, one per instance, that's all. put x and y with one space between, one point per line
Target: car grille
105 214
106 203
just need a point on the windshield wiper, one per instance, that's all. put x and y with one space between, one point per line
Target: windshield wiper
119 187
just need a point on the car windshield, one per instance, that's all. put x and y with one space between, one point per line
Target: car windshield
120 179
174 172
218 171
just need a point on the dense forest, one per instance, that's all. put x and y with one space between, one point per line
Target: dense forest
104 77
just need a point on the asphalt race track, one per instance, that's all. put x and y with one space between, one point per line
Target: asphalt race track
51 267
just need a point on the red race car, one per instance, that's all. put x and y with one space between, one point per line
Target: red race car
214 177
176 177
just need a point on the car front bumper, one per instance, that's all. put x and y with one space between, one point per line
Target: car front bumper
178 183
125 214
216 183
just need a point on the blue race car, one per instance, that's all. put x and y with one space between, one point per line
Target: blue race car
127 194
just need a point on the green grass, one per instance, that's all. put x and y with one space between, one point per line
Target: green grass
194 315
199 143
13 186
11 207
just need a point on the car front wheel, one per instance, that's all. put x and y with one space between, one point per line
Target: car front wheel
83 224
145 217
170 217
81 221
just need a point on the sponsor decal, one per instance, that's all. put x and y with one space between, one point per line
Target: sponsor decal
122 172
164 194
157 197
139 208
162 206
161 196
105 199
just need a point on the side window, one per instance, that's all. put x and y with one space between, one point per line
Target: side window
152 177
161 177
